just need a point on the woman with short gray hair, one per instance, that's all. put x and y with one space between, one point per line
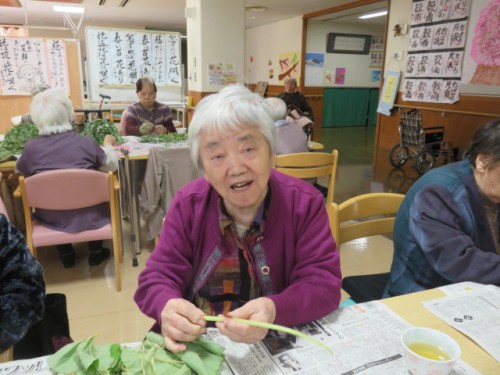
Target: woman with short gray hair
245 241
59 147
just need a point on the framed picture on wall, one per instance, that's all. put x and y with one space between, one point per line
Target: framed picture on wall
348 43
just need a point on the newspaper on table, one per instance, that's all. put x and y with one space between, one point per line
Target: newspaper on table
475 313
364 338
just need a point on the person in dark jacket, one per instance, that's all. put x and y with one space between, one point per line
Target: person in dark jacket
447 228
22 288
294 99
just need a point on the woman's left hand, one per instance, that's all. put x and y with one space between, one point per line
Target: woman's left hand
260 309
160 129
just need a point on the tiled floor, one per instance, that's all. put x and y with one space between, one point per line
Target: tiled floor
95 308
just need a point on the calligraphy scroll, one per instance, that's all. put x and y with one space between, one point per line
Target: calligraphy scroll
124 56
27 62
117 58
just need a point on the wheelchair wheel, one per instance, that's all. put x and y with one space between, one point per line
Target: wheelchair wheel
424 161
398 156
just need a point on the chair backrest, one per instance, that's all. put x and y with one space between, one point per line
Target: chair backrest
7 355
364 215
311 165
65 189
3 210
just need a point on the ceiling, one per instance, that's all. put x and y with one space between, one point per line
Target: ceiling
153 14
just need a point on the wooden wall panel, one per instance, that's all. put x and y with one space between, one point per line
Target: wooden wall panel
460 120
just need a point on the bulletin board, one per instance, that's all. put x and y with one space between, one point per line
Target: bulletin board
14 105
116 58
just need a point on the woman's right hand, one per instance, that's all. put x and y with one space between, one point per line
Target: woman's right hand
146 128
181 321
109 140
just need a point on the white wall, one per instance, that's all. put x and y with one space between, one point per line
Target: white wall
358 73
264 44
215 36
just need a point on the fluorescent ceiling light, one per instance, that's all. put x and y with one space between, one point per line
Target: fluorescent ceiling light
372 15
57 8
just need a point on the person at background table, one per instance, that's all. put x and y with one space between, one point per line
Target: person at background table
59 147
147 116
294 99
290 137
447 228
245 241
26 118
22 288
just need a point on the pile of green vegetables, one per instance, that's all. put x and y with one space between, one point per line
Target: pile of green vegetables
83 357
98 129
15 139
163 138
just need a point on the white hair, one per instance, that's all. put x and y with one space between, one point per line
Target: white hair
233 108
278 108
52 112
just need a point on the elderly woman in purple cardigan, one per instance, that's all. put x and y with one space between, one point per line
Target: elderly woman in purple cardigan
245 241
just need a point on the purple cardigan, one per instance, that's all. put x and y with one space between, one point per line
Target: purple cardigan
296 245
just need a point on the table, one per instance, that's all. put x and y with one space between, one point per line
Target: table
408 307
315 146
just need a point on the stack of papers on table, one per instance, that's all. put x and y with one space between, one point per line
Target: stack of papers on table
475 312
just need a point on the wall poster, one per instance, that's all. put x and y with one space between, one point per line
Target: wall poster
436 50
314 69
389 91
27 62
289 65
221 74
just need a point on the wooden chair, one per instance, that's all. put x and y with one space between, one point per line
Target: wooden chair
68 189
311 165
7 355
363 216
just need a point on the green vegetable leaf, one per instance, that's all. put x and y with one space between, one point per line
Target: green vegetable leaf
99 128
163 138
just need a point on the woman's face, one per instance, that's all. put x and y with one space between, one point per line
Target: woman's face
147 95
238 165
488 179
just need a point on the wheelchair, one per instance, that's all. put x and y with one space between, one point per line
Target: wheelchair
425 145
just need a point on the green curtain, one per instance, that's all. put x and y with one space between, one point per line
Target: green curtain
349 106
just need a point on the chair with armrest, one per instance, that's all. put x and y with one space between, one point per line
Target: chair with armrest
69 189
311 165
364 216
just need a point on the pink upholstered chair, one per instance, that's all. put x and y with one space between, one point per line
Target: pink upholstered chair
3 210
68 189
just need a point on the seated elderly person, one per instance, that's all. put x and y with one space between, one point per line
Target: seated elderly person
447 228
22 288
291 138
26 118
59 147
294 99
147 115
245 241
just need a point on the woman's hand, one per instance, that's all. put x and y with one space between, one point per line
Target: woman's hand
108 140
260 309
146 128
181 321
160 129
